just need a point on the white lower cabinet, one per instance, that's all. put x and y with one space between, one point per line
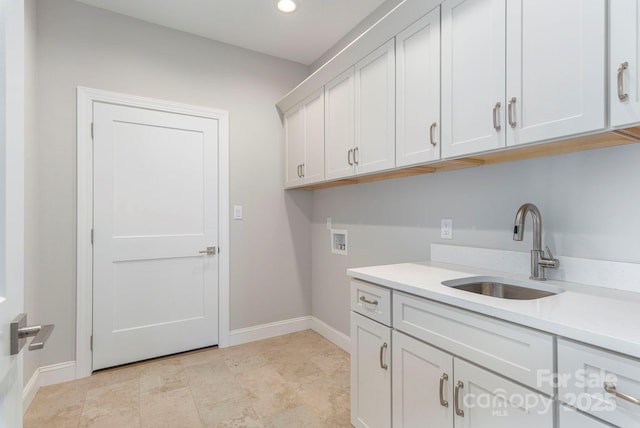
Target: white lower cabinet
571 418
370 373
433 388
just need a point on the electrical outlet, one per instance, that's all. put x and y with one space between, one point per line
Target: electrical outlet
446 228
329 225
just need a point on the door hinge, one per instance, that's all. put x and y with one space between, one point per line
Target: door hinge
91 343
92 130
91 236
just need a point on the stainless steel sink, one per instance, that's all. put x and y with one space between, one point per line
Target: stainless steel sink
503 288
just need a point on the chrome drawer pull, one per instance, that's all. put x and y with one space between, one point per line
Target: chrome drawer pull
496 123
432 138
611 389
370 302
622 96
512 122
456 402
382 363
443 378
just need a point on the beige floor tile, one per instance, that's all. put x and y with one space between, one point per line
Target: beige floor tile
296 380
270 392
112 405
232 413
299 417
170 409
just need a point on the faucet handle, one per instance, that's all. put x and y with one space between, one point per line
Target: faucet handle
549 262
549 252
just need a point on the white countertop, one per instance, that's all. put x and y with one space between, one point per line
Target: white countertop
599 316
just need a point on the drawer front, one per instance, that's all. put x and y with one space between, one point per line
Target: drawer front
583 372
371 300
516 352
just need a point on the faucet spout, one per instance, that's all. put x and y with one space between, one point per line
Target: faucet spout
538 260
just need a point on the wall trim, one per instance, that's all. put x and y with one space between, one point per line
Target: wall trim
266 331
334 336
84 178
45 376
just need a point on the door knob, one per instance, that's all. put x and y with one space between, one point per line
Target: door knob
210 251
20 331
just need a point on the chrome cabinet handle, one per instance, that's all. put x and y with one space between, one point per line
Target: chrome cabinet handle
611 389
370 302
349 157
512 122
302 171
432 138
382 363
210 251
622 96
356 156
456 402
298 171
443 379
496 123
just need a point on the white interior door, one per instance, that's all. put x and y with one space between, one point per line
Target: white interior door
11 204
155 212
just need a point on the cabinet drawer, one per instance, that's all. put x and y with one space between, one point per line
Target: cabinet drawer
516 352
582 373
371 301
570 418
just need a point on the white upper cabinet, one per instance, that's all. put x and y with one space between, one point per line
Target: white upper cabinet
624 50
360 116
554 59
339 126
375 114
418 91
555 69
304 141
294 145
473 76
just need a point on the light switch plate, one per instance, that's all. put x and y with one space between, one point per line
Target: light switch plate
329 223
446 228
237 212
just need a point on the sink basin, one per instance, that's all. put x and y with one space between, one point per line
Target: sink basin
503 288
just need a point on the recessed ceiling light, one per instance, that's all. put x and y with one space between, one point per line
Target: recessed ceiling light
287 6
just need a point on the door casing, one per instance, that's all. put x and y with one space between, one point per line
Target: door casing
84 177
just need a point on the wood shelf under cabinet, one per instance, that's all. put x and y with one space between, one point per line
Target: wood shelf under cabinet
578 144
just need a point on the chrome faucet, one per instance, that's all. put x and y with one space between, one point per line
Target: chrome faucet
538 260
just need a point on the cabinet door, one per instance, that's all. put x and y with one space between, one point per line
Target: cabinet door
421 373
370 373
375 119
294 145
570 418
339 99
624 49
555 69
418 91
313 166
488 400
473 76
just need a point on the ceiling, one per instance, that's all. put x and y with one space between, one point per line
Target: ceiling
302 36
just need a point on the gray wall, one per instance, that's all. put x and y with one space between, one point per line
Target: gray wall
590 205
78 45
31 192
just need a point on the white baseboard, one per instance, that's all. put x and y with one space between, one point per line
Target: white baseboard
45 376
338 338
266 331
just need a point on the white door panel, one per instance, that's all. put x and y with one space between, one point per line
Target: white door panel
155 209
339 126
11 205
473 76
558 91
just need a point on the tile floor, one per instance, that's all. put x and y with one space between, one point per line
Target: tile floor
297 380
